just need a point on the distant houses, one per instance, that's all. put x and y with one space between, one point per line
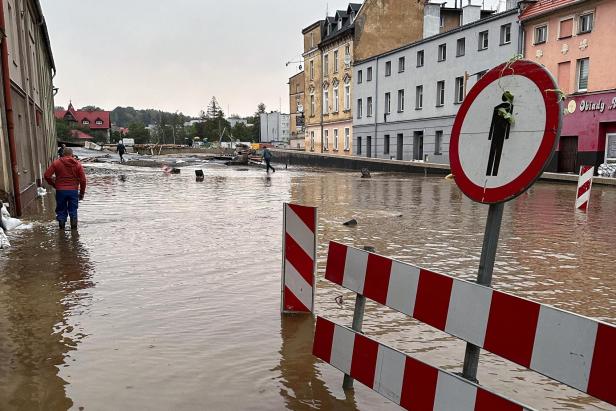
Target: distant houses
94 120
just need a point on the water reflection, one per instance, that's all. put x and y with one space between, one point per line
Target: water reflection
39 290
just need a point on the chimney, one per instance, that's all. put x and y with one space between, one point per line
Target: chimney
432 19
512 4
470 13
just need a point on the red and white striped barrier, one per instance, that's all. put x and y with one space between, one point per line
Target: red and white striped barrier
299 258
584 186
404 380
566 347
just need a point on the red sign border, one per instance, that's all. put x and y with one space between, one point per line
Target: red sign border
554 111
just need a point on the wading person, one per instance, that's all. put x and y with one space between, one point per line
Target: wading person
121 149
66 175
267 156
61 150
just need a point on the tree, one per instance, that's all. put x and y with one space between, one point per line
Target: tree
91 108
242 132
63 130
260 108
139 133
214 109
256 122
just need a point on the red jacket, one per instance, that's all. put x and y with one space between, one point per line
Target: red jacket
69 175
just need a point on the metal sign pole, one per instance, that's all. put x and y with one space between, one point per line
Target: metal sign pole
484 277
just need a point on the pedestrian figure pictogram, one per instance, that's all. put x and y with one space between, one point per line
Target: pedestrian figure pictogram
499 132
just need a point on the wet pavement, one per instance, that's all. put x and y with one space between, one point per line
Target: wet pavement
168 296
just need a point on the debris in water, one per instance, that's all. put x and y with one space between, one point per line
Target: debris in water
352 222
365 173
40 192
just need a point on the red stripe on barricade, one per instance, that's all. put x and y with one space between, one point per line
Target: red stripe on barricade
323 339
299 259
583 188
363 365
292 303
601 380
511 328
418 385
306 214
432 302
376 282
486 401
336 258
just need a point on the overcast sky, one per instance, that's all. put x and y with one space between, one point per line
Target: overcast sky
176 55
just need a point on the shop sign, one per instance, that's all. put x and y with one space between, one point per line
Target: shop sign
599 106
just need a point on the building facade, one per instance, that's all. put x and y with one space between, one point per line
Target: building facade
406 100
574 40
296 110
27 102
313 112
275 128
93 120
337 56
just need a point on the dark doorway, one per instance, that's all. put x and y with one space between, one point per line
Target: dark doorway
567 154
400 147
368 146
418 145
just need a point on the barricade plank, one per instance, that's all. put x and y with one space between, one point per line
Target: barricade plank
569 348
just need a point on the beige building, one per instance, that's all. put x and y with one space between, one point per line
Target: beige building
27 102
296 109
313 112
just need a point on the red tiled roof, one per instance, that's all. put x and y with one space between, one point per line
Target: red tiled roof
545 6
91 116
80 135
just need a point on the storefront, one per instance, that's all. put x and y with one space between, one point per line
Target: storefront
588 135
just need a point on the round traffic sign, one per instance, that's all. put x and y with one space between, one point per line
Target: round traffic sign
505 132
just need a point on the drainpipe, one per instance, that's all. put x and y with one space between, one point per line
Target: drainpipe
8 101
520 32
375 107
322 102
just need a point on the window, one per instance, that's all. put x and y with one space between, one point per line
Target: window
369 107
347 138
311 69
442 22
418 97
442 52
335 61
440 93
358 146
360 107
85 122
401 64
311 40
420 58
582 74
483 40
460 47
339 24
99 122
369 74
360 77
312 141
387 103
585 23
505 34
325 139
386 144
347 56
325 101
400 101
313 107
336 100
326 65
438 141
459 90
387 68
336 139
541 34
347 96
565 28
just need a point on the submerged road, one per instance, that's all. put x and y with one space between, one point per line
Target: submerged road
168 296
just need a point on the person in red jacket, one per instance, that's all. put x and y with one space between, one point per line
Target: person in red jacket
70 185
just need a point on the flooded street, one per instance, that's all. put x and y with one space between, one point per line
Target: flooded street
169 295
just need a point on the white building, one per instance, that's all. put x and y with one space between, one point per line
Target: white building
275 127
406 100
237 120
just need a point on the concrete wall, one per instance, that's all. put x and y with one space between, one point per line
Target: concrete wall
31 68
383 25
430 118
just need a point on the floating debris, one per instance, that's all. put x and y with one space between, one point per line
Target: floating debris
365 173
352 222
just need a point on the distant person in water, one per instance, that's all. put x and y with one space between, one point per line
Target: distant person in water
66 175
267 156
121 149
61 150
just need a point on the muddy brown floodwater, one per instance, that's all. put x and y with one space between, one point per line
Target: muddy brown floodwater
168 297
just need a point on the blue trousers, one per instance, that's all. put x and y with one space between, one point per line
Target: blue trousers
67 203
